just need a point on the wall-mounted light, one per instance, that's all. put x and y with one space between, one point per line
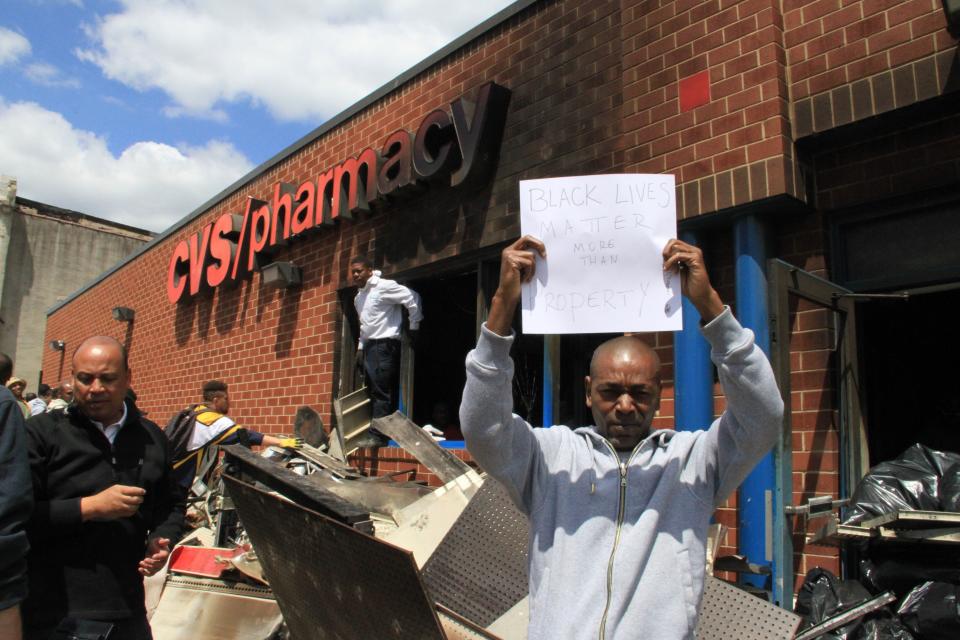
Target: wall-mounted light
281 275
123 314
58 345
951 8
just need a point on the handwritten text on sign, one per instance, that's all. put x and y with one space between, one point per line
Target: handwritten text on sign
604 270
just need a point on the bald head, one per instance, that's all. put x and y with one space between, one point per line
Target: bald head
623 390
103 343
624 347
101 377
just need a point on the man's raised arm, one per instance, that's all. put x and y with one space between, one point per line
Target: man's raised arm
501 442
751 422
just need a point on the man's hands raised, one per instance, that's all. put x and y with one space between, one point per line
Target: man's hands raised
694 279
518 264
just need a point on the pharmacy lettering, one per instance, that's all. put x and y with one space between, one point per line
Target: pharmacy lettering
457 146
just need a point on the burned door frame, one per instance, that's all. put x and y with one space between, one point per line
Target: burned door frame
786 280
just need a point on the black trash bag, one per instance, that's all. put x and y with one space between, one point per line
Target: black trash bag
932 611
885 626
919 479
823 595
902 566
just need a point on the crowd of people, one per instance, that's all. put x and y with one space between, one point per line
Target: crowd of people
618 511
92 495
46 398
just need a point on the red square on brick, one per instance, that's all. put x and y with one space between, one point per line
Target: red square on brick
694 91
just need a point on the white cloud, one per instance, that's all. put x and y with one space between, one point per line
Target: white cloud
301 59
13 46
49 76
149 185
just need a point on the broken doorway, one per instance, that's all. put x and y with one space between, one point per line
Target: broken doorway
912 379
447 333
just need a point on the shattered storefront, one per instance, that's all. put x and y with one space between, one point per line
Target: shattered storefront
821 181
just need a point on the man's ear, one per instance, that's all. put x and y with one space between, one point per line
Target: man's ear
586 388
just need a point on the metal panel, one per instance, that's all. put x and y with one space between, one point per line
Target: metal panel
240 460
847 616
728 612
423 525
458 628
214 610
331 581
353 413
479 570
787 280
381 497
446 466
328 462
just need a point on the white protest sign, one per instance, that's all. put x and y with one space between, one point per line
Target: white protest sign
604 237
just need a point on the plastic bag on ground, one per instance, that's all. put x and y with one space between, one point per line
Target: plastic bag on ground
932 611
919 479
886 626
823 595
902 566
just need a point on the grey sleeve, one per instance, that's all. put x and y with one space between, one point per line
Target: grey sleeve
502 443
751 423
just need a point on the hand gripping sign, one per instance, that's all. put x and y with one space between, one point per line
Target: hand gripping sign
604 237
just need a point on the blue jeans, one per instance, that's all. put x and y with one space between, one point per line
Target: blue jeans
381 362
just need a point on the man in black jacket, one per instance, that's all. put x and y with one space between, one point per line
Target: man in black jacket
15 503
107 509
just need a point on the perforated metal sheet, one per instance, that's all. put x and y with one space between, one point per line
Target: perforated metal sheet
728 612
479 570
331 581
457 628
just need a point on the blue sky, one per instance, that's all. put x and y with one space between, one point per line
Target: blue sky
140 110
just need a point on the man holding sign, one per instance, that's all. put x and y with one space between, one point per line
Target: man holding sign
619 513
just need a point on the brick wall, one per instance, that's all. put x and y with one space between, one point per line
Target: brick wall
737 146
776 72
277 350
852 60
595 89
917 155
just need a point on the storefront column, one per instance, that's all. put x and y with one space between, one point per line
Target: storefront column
551 379
757 493
693 392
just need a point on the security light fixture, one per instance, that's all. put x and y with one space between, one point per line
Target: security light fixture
58 345
951 8
281 275
123 314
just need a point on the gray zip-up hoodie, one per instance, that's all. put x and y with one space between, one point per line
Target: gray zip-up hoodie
617 549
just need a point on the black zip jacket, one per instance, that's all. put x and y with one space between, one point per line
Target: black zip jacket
15 501
89 569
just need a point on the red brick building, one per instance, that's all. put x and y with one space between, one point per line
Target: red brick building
821 133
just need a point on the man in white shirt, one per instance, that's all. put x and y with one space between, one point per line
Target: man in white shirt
379 304
39 404
62 397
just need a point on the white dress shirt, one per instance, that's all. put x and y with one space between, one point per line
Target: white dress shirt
111 430
37 406
378 304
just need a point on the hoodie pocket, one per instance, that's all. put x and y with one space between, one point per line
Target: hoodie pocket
685 572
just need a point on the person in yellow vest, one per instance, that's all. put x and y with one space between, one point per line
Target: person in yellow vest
197 431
